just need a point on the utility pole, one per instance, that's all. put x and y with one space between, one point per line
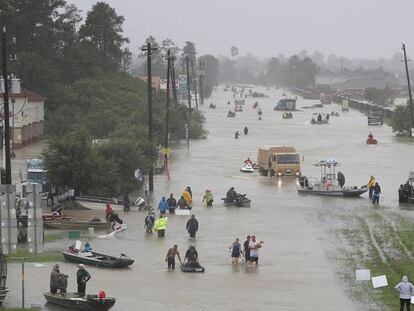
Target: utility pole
174 85
194 82
149 51
202 74
409 92
167 116
188 86
187 127
6 106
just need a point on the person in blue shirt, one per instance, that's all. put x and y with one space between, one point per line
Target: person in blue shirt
88 247
163 206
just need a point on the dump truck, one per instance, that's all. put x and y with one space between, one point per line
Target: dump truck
278 161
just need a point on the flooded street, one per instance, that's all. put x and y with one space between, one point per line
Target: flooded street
294 271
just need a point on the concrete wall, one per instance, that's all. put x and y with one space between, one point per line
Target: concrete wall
362 105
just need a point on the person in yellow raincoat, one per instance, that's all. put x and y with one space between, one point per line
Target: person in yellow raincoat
188 198
160 225
371 184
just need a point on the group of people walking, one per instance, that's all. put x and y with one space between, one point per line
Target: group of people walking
170 204
250 250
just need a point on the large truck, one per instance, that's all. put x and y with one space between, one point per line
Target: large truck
37 174
278 161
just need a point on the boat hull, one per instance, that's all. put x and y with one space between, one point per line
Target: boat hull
244 203
74 302
101 260
3 294
76 225
347 192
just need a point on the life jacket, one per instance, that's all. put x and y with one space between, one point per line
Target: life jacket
329 185
102 294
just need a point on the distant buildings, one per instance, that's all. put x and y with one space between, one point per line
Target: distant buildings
355 82
26 118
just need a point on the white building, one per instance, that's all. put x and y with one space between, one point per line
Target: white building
26 118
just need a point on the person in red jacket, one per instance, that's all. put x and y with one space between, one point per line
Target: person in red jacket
108 211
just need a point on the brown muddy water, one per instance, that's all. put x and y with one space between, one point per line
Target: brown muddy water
294 272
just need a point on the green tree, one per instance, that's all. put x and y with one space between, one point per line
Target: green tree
212 71
158 65
189 49
401 120
383 97
103 29
69 161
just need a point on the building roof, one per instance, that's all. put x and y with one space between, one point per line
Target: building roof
30 95
358 79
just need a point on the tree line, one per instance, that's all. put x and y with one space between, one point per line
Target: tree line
82 66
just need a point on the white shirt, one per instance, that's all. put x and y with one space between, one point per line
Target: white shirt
254 252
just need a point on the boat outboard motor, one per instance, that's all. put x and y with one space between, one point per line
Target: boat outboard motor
140 202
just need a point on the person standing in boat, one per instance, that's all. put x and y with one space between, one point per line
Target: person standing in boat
82 277
341 179
58 280
376 193
371 184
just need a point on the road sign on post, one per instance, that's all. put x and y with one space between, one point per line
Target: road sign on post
35 221
8 232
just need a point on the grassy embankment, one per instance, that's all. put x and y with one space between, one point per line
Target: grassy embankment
377 239
46 256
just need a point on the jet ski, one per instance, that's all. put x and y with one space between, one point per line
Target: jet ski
247 168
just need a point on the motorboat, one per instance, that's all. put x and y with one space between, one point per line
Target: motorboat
371 141
241 201
69 224
74 301
317 106
247 168
320 118
99 259
328 184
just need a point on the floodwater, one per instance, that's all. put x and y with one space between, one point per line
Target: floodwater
294 272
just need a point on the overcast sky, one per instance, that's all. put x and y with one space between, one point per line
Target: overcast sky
350 28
